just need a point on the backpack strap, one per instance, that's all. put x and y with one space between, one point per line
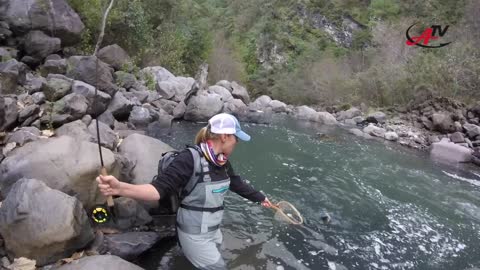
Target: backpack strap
197 174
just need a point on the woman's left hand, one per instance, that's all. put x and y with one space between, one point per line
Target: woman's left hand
266 203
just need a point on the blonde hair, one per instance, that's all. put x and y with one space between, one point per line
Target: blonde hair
205 134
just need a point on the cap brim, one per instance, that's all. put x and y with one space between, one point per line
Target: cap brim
242 136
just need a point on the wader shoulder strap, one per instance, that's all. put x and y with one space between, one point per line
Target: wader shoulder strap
196 175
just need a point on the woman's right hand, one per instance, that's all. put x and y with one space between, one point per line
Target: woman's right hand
109 185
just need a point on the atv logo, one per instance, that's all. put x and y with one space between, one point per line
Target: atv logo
427 36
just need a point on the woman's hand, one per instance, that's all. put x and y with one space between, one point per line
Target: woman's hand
109 185
266 203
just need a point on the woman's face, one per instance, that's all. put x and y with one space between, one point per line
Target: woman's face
229 141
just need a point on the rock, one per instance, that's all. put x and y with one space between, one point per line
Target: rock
72 104
349 114
56 87
104 262
426 123
129 214
278 106
236 107
130 245
114 55
39 45
97 104
443 123
174 88
125 80
457 137
305 113
145 152
33 83
391 136
87 119
356 132
93 71
203 106
5 54
12 74
108 138
258 116
377 117
53 67
53 57
225 84
179 110
107 118
27 112
223 92
140 117
24 135
261 103
43 224
55 17
374 131
240 92
326 118
8 113
142 96
157 74
165 104
472 130
77 130
120 106
450 152
70 164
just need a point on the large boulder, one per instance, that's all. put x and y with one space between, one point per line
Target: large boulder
140 117
39 45
129 213
24 135
443 123
145 152
473 131
57 87
120 106
224 93
77 130
375 131
261 102
240 92
377 117
130 245
449 152
43 224
203 106
125 80
108 138
236 107
93 71
305 113
55 17
12 74
175 88
326 118
53 67
278 106
157 74
72 167
72 104
33 84
8 113
97 104
348 114
104 262
114 55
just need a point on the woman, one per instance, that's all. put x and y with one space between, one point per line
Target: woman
201 176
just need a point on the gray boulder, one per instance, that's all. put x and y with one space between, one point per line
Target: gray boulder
457 137
377 117
174 88
145 152
326 118
125 80
57 87
179 110
443 123
349 114
225 84
374 131
449 152
77 130
12 74
43 224
305 113
129 214
97 104
8 113
72 104
33 84
120 106
236 107
53 67
203 106
39 45
114 55
472 130
157 74
391 136
55 17
93 71
108 138
264 116
166 105
24 135
140 117
130 245
72 167
261 102
278 106
223 92
27 112
240 92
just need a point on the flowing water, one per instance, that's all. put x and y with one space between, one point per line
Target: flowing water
390 207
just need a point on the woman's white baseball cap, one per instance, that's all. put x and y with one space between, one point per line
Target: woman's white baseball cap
225 123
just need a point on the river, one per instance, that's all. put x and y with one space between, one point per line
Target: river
390 207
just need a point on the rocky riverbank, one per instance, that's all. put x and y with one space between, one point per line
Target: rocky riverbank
49 157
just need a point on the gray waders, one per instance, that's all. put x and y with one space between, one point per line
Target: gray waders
200 215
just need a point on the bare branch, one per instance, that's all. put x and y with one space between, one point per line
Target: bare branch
102 29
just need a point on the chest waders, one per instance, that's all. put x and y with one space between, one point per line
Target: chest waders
200 214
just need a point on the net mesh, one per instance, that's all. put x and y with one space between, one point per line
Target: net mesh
286 212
